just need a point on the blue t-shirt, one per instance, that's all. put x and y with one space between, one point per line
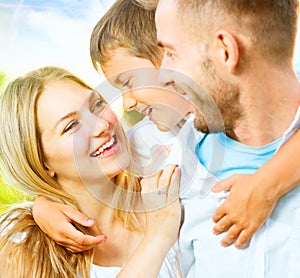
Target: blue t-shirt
273 246
224 157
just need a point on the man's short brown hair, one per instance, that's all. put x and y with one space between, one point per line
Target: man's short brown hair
271 25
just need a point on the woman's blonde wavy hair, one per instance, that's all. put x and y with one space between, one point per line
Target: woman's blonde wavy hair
21 165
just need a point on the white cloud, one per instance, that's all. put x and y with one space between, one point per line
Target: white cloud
34 36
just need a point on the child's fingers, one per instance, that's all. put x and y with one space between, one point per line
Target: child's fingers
159 153
75 215
82 242
219 214
223 185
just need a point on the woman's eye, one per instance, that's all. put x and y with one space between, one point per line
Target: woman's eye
71 126
99 104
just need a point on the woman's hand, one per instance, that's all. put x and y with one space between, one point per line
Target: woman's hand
161 201
160 195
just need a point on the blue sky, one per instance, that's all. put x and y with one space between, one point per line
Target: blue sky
36 33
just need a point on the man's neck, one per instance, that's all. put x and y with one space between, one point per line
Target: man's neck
270 102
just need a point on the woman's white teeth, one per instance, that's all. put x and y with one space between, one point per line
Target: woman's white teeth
105 146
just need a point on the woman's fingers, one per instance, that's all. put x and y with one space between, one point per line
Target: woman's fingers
162 188
174 187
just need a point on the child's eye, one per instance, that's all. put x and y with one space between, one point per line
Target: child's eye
71 126
126 83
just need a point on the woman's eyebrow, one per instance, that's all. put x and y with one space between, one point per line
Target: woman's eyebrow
94 95
71 114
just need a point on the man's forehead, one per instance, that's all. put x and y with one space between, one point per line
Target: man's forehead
166 6
166 23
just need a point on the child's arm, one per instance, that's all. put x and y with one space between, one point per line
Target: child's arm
55 219
247 207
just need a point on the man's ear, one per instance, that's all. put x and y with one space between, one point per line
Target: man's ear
228 49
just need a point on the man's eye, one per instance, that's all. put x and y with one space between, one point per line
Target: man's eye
169 54
71 126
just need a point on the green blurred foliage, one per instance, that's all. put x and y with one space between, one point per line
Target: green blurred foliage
2 78
9 196
132 117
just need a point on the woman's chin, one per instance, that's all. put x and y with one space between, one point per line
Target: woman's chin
122 162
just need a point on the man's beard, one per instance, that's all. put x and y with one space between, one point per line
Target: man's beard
219 107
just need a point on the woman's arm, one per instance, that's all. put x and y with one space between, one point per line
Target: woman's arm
163 221
247 207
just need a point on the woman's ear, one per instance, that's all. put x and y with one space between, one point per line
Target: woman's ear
49 172
228 50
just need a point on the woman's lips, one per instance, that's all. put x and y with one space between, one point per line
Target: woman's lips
105 148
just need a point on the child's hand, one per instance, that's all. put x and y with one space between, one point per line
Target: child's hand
55 219
154 163
244 211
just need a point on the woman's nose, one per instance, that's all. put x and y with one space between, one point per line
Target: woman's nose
101 127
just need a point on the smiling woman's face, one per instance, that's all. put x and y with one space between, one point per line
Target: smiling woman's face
137 78
81 137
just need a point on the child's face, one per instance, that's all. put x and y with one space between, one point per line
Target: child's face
137 78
